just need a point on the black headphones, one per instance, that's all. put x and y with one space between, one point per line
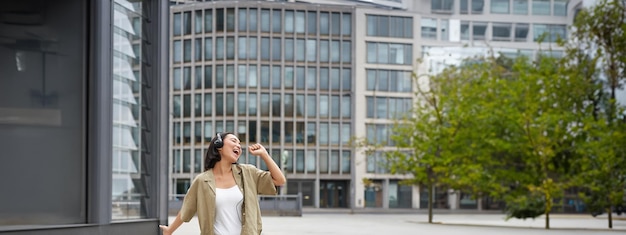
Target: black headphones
218 143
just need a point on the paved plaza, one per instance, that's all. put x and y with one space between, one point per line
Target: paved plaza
416 223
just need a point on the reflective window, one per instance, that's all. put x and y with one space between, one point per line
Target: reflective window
252 106
541 7
187 50
346 106
289 21
346 161
252 48
289 49
346 51
478 30
429 28
334 161
346 24
324 23
176 79
464 5
312 22
335 51
477 6
276 49
500 6
252 20
186 106
311 50
334 133
560 7
265 105
241 104
324 83
230 19
288 78
187 23
276 78
335 107
265 76
390 53
300 105
176 106
323 136
300 161
230 76
550 33
197 105
208 20
242 48
276 105
265 20
300 23
186 161
243 19
177 51
187 78
324 54
311 105
311 161
300 50
252 76
335 23
311 133
208 76
230 105
219 104
219 48
219 20
311 78
465 30
208 49
198 22
208 104
520 7
198 49
442 6
208 131
501 31
323 161
324 106
265 48
230 48
276 21
301 80
177 24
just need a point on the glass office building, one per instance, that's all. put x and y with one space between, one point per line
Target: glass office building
83 110
307 79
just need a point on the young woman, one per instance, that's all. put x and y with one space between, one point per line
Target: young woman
224 196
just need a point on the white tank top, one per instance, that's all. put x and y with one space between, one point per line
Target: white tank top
228 204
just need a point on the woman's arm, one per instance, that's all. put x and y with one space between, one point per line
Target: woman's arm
168 230
277 175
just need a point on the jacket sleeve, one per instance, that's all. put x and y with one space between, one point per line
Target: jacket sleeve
264 183
190 203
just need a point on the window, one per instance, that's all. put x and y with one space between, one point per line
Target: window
441 6
500 6
389 53
560 7
429 28
389 26
465 30
477 6
478 30
521 32
501 32
520 7
541 7
550 33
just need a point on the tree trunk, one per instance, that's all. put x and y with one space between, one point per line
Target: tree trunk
430 202
548 220
610 217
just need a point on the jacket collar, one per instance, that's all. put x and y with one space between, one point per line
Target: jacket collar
236 169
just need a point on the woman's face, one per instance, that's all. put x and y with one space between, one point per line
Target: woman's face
231 149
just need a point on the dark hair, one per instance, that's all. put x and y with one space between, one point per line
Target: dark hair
212 156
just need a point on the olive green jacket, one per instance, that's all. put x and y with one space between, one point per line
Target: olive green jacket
200 198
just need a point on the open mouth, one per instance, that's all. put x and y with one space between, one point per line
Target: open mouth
236 151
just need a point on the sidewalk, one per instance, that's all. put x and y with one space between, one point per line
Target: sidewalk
410 221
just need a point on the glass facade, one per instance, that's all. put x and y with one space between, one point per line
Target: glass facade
282 77
82 114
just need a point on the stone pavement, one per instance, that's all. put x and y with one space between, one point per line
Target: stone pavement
416 223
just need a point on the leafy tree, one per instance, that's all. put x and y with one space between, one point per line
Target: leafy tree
598 52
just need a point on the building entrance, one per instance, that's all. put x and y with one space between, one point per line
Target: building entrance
334 194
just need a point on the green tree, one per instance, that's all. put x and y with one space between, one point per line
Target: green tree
597 51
